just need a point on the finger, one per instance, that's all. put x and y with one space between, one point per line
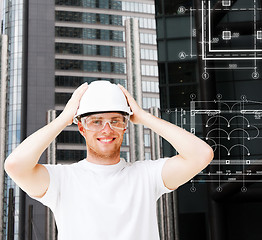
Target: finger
83 88
80 90
127 94
122 88
130 100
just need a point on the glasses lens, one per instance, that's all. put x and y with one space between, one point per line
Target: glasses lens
118 124
93 124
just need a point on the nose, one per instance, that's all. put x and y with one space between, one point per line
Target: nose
107 127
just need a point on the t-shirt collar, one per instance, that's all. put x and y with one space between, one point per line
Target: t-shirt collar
103 168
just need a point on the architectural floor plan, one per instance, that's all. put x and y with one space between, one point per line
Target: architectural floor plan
223 41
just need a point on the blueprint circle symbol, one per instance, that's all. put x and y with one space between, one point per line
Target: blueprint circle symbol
193 189
219 96
205 75
243 189
192 96
255 75
181 10
219 189
168 111
182 55
243 97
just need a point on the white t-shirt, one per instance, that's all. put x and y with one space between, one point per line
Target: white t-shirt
105 202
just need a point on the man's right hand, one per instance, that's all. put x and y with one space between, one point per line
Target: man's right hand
72 105
22 164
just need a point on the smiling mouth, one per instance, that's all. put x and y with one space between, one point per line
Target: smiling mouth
106 140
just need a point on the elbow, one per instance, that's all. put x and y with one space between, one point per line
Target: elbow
205 157
11 167
208 155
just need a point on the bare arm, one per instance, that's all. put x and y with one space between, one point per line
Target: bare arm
194 154
22 164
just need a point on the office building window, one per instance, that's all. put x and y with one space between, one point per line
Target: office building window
181 94
62 98
149 102
86 33
71 81
70 155
147 140
148 54
143 22
71 137
106 4
179 72
147 23
125 155
138 7
148 86
93 18
125 139
162 73
147 38
90 66
147 156
149 70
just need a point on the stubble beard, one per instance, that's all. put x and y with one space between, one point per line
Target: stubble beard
93 151
101 155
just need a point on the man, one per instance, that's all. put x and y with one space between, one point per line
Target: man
102 197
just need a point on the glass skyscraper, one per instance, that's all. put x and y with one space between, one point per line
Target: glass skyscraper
53 47
12 27
214 72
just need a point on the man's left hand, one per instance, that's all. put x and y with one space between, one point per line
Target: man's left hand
138 112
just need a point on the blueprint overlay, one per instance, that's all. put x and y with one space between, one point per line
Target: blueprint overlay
226 44
233 128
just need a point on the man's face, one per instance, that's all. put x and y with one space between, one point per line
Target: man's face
102 141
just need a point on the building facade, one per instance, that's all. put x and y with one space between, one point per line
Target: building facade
209 59
90 44
3 87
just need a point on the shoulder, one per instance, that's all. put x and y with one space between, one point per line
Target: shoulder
62 168
148 164
144 163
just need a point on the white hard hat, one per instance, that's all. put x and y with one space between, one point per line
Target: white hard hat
102 96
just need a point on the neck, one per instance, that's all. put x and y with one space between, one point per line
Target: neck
100 159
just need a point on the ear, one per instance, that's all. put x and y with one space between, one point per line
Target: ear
81 128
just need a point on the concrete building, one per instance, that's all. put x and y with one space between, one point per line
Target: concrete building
94 40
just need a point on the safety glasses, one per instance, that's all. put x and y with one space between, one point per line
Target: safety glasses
97 122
